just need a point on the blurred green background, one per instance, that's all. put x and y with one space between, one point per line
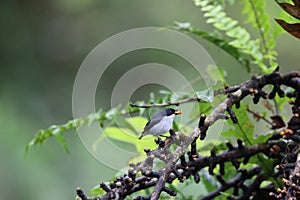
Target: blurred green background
42 45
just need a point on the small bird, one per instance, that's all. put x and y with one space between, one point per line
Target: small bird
160 123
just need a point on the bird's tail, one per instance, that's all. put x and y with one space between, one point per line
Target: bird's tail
142 135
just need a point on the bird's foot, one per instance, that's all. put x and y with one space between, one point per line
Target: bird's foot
172 133
160 142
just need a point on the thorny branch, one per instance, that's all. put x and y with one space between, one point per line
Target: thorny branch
282 147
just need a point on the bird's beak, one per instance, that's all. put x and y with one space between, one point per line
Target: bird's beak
178 112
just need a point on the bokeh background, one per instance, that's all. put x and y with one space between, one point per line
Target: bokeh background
42 44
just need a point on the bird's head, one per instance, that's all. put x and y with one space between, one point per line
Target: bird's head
171 111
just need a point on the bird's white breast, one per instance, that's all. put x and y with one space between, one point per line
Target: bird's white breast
164 126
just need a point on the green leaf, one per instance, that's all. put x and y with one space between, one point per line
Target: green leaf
218 75
183 25
221 43
244 129
259 18
209 181
61 139
121 134
282 101
265 163
261 50
126 135
97 190
121 122
202 107
175 126
138 123
58 130
205 95
262 138
152 97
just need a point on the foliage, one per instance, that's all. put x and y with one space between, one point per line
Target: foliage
113 122
231 36
234 38
292 8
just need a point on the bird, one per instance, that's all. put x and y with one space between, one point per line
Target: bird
160 123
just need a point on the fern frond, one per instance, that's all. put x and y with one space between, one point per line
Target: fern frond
240 38
58 131
242 58
260 21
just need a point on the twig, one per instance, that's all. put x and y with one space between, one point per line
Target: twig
233 182
259 116
176 103
260 30
81 194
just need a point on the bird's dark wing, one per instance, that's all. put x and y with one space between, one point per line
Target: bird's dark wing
160 115
148 123
151 123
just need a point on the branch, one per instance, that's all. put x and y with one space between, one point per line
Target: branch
142 175
129 184
175 103
233 182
